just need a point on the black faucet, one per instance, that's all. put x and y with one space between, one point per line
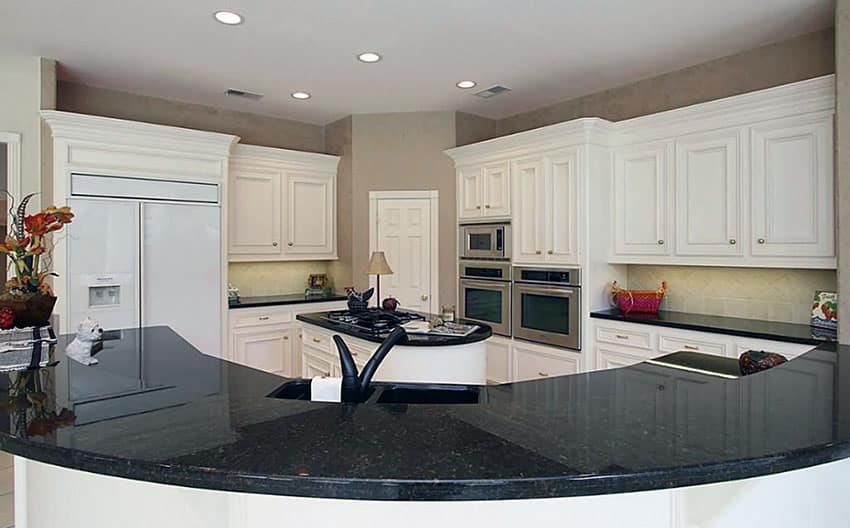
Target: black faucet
355 389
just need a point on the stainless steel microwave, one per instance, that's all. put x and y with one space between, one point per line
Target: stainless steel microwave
485 241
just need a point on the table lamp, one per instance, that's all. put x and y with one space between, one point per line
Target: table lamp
378 266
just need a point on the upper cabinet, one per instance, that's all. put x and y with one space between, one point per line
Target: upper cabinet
282 205
744 181
484 191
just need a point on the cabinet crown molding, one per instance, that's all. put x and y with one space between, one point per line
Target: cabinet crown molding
108 130
592 130
279 156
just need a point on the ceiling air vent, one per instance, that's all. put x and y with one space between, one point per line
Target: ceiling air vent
492 91
243 94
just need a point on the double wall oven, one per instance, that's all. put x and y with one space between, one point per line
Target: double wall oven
547 306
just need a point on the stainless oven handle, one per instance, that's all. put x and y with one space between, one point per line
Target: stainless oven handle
551 292
485 285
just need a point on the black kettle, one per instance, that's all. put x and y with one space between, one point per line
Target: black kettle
355 389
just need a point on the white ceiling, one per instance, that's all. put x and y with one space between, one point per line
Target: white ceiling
545 50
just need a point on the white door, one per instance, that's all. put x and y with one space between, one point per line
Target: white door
792 188
529 211
255 217
470 193
497 190
708 194
182 282
268 349
641 199
310 206
561 229
403 233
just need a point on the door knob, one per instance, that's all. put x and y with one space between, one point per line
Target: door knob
424 297
733 241
761 241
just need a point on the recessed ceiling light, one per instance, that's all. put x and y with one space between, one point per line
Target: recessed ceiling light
228 17
466 84
300 95
369 56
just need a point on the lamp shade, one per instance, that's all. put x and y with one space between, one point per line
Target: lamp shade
378 264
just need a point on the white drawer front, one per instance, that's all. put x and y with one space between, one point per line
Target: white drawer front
258 317
618 336
317 340
533 363
685 343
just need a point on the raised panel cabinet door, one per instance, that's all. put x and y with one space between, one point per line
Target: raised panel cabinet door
708 194
311 215
534 362
610 357
255 216
315 365
470 193
641 199
498 360
497 190
268 349
562 205
529 222
792 188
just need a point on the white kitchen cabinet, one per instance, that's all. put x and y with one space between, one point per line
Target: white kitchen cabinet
610 356
792 188
545 228
266 348
708 194
281 205
484 191
499 360
641 199
310 215
533 361
255 229
316 362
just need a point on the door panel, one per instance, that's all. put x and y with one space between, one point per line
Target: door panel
562 209
404 235
268 349
497 185
255 216
470 193
641 200
529 218
310 202
792 188
708 194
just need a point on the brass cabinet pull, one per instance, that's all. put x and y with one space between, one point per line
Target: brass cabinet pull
264 318
539 252
315 340
691 347
733 241
487 206
274 244
761 241
544 374
660 242
478 207
286 338
551 252
621 336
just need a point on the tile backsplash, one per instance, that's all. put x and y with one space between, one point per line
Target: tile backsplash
273 278
755 293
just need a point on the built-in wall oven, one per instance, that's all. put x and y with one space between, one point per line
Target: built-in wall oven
485 294
485 241
547 306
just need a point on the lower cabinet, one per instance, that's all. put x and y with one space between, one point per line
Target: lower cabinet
498 360
510 360
265 348
609 356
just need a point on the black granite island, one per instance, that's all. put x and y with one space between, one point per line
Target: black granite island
193 439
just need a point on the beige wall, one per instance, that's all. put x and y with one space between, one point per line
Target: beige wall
771 294
781 63
470 128
273 278
842 165
254 129
338 141
404 151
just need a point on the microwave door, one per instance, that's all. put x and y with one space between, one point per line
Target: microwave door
480 243
547 315
487 302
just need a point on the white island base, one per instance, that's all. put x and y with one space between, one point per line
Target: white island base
52 497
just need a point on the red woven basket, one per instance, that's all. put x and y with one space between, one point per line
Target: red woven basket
638 301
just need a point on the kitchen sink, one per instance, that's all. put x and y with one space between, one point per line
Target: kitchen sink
394 393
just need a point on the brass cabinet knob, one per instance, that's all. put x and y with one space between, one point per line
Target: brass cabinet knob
424 297
660 242
286 338
761 241
274 244
487 206
551 252
539 252
317 340
733 241
290 244
478 207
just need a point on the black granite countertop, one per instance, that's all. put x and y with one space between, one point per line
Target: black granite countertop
287 298
157 410
736 326
483 332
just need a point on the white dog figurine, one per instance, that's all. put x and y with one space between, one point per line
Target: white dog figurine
88 333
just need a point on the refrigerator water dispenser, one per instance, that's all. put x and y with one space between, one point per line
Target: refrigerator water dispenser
104 295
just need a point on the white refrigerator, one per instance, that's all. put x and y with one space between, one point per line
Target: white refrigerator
146 256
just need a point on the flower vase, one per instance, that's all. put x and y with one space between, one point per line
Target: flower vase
29 309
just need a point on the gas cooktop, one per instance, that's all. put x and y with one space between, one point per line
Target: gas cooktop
373 321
